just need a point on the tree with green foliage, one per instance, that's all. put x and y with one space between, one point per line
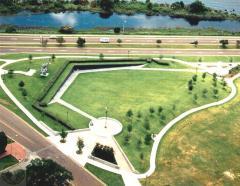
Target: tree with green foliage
197 7
139 143
48 173
195 97
190 88
224 84
215 92
151 110
194 78
146 124
81 42
60 40
3 142
147 139
119 41
106 5
141 156
224 43
53 57
158 41
160 109
101 56
63 135
21 84
80 145
129 113
10 29
204 75
139 114
117 30
30 57
10 73
204 93
129 128
24 93
126 140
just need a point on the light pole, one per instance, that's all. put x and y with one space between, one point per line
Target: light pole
106 115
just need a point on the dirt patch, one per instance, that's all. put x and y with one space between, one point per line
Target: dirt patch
229 175
4 102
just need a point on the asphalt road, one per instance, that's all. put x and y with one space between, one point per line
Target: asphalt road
119 51
127 39
20 131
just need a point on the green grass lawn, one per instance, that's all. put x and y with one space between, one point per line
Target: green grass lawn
109 178
172 64
7 162
138 90
199 149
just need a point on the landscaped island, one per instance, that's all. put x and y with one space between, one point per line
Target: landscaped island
194 12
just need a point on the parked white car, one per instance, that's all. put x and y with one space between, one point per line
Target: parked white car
104 40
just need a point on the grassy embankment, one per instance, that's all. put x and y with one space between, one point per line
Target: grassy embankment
203 149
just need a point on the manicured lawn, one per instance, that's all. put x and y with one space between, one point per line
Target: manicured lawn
201 149
172 64
138 91
33 85
111 179
209 58
7 162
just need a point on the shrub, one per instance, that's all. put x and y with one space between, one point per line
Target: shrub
66 30
147 139
117 30
81 42
3 142
10 29
104 152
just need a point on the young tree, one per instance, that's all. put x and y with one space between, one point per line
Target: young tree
139 143
30 58
224 43
215 92
195 97
158 41
151 110
146 124
204 92
190 88
129 113
126 139
238 44
195 43
129 128
141 156
224 84
160 109
60 40
46 172
204 76
194 78
81 42
3 142
63 135
53 57
24 93
21 84
139 114
80 145
10 73
147 139
101 56
119 41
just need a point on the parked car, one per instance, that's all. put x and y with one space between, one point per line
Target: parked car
104 40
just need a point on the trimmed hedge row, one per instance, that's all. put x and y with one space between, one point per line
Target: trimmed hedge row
39 105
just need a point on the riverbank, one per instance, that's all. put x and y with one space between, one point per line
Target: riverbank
193 13
127 31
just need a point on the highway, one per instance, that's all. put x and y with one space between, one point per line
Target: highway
20 131
128 39
20 44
